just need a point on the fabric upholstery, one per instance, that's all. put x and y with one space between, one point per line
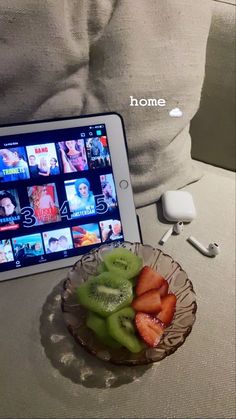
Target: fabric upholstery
62 58
213 129
197 381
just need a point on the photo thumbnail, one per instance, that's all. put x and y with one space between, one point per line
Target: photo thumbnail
108 190
9 210
86 235
6 254
98 154
111 230
28 246
80 197
42 160
57 240
44 201
13 164
73 156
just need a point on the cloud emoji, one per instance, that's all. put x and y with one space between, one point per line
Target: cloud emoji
175 113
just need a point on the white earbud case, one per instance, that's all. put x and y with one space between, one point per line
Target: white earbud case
178 206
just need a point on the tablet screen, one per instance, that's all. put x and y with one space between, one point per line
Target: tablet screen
57 195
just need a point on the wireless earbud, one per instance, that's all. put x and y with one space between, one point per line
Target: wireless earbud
212 250
176 228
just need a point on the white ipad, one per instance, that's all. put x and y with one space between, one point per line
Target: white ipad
64 189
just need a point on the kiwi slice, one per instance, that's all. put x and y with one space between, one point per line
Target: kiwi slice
99 327
124 262
105 293
120 326
102 268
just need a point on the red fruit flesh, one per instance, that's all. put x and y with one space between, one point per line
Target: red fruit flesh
168 309
149 302
148 279
163 290
149 328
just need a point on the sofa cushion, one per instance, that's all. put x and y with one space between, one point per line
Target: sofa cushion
197 381
214 198
61 58
213 129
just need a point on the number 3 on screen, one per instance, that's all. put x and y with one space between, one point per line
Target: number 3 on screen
29 219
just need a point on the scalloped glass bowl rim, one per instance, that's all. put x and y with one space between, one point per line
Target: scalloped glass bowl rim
176 332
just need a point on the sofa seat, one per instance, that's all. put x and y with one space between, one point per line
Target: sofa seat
214 198
196 381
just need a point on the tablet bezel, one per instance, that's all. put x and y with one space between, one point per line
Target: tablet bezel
118 151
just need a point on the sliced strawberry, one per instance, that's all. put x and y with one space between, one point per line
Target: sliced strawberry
148 279
163 290
149 328
149 302
168 309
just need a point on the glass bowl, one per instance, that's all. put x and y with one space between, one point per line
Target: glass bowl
179 284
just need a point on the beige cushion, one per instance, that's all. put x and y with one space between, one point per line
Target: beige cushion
213 128
61 58
197 381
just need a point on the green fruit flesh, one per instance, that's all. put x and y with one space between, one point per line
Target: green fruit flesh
98 325
120 326
133 281
102 268
105 293
124 262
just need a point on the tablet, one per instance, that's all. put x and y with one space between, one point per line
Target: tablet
64 189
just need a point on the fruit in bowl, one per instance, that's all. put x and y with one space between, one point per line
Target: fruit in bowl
128 303
117 313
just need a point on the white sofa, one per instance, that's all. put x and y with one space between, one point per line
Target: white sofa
197 381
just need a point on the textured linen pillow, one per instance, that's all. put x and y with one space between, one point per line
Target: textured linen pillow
62 58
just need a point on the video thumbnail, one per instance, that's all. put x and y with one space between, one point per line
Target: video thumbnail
80 197
98 154
9 210
108 190
57 240
111 230
13 164
86 235
28 246
42 160
44 201
6 254
73 156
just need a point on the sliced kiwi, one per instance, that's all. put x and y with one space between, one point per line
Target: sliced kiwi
105 293
99 327
124 262
120 326
133 281
102 268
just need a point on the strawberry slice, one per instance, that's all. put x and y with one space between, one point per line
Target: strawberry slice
148 279
149 328
149 302
163 290
168 309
